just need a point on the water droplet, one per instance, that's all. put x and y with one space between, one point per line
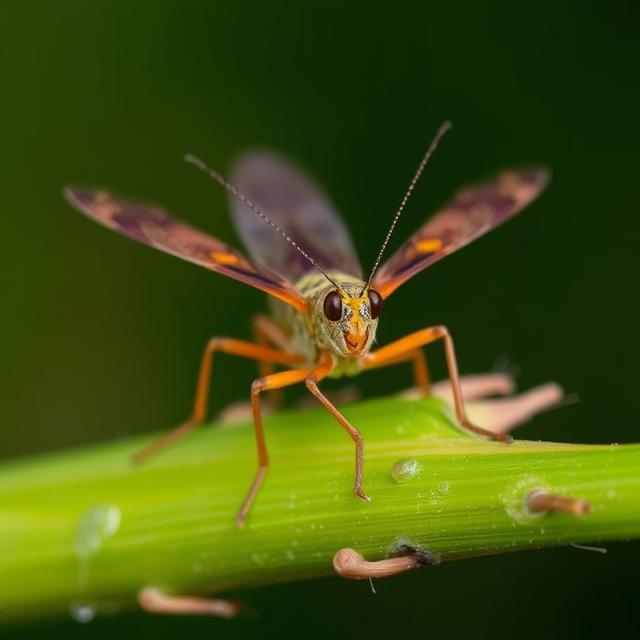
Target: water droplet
95 526
82 613
443 487
405 470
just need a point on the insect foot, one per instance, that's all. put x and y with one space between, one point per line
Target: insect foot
539 501
154 600
350 564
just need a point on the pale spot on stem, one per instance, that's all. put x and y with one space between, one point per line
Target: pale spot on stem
155 601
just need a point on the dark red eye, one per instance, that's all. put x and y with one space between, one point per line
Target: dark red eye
375 300
333 306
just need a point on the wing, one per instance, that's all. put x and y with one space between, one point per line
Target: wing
152 226
472 212
299 208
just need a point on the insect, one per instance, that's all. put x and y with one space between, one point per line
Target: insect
324 312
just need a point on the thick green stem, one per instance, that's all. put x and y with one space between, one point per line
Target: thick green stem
88 529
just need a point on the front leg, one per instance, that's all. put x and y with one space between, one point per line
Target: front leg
200 402
269 383
312 384
421 377
394 351
267 333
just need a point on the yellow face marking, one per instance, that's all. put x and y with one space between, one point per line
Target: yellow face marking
358 333
429 246
355 303
222 257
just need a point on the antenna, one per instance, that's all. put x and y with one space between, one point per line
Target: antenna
444 127
194 160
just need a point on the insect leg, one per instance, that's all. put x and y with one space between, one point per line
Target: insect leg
199 411
421 375
266 333
268 383
312 384
420 339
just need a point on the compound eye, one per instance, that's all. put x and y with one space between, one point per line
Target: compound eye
333 306
375 300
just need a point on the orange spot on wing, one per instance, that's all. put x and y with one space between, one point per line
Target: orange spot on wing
222 257
429 246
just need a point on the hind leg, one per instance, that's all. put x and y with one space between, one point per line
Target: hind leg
268 333
199 411
421 377
392 352
269 383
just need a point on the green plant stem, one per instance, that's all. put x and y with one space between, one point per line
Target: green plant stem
88 528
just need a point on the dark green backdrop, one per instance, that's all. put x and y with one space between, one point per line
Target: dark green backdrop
101 337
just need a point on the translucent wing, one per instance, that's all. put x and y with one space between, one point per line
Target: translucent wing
472 212
299 208
152 226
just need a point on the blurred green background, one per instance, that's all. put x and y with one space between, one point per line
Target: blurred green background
101 337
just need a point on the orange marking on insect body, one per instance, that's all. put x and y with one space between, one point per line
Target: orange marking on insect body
429 246
356 340
358 334
222 257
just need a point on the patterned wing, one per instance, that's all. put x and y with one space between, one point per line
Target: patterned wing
152 226
299 208
472 212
